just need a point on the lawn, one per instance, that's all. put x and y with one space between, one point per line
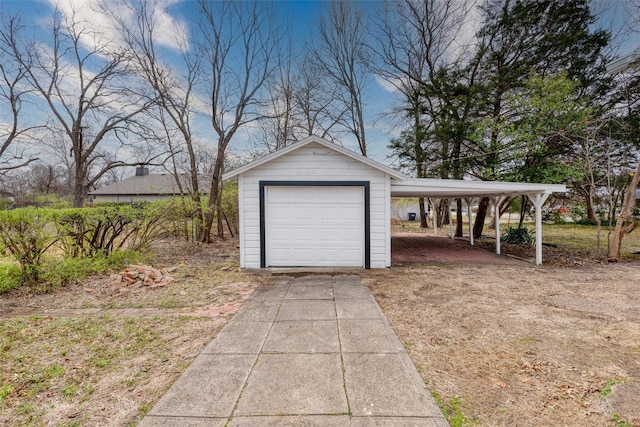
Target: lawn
93 371
109 370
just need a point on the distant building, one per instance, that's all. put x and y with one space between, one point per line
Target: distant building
145 187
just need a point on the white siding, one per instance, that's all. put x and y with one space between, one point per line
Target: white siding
314 162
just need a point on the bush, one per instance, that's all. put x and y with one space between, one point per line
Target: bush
27 235
89 241
106 228
123 257
518 236
10 277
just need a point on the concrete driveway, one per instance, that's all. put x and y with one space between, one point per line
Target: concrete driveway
308 351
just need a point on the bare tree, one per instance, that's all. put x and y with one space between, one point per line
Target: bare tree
342 54
13 93
316 100
413 42
240 44
82 78
303 102
279 128
45 178
173 90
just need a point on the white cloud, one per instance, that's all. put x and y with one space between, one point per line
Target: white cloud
386 85
171 32
465 37
99 29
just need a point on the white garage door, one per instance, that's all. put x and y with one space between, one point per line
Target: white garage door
314 226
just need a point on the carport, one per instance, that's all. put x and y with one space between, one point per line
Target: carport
317 204
450 190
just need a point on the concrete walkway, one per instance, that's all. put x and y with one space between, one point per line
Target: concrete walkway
311 351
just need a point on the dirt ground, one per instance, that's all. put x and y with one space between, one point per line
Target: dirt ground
507 345
513 343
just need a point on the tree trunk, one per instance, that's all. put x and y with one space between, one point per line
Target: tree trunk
591 213
459 218
423 210
523 210
219 224
481 216
214 192
78 186
625 220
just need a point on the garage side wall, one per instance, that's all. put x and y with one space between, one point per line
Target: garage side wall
314 162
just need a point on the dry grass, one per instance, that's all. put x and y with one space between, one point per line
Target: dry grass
525 346
108 371
93 371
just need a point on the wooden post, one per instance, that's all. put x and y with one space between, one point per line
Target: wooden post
538 200
469 200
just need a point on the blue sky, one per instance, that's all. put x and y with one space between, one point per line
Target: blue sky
303 15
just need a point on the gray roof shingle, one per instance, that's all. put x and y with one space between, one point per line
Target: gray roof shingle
152 184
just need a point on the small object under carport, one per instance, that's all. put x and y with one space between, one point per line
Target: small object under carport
412 216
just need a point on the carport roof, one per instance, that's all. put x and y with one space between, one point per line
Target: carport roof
451 188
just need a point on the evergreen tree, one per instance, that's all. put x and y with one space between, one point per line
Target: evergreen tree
516 39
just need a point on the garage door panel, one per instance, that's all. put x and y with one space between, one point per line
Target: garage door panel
349 256
314 226
350 235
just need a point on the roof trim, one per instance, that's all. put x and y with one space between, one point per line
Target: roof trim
163 184
310 139
623 63
450 188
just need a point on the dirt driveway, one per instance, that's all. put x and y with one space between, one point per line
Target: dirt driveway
413 247
522 345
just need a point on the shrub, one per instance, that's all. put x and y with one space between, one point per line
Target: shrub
5 204
89 241
518 236
590 221
106 228
230 206
10 277
119 259
57 273
27 234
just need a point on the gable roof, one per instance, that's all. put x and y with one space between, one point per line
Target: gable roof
149 185
313 139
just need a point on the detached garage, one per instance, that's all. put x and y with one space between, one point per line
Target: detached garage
314 204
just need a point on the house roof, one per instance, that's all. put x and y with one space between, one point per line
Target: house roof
624 63
313 139
452 188
149 185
